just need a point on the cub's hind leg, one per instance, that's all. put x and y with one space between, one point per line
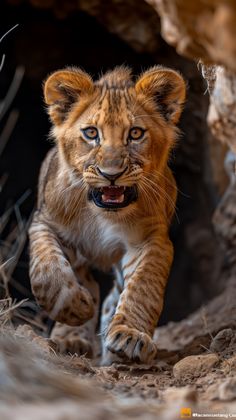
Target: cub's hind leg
74 340
108 311
81 339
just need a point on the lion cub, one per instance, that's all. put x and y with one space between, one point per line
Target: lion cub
106 198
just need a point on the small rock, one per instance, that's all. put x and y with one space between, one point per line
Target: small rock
186 393
212 392
193 366
149 393
150 384
229 365
227 390
222 340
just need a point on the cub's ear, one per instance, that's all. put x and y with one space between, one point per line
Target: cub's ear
167 88
62 89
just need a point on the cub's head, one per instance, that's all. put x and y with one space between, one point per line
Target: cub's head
115 134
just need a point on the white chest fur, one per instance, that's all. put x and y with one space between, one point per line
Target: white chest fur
101 242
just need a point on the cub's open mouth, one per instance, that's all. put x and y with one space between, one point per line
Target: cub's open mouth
113 197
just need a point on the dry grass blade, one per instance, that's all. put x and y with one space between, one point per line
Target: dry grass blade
4 219
19 245
8 129
3 180
12 91
7 306
4 277
2 62
1 39
12 247
7 33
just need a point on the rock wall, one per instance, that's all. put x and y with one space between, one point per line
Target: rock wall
222 110
204 29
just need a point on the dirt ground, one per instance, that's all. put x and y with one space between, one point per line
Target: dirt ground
37 383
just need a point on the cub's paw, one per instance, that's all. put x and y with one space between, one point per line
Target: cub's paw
73 345
77 308
131 344
72 306
72 340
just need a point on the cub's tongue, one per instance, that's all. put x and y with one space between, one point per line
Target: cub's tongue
113 194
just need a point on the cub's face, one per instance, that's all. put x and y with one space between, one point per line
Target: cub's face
114 134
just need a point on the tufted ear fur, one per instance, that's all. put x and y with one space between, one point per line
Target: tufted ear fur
62 89
167 88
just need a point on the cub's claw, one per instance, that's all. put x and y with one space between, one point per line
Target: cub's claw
131 344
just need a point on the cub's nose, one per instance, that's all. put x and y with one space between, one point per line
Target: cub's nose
111 176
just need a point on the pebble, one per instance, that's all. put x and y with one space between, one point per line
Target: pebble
222 340
227 390
194 366
186 393
229 365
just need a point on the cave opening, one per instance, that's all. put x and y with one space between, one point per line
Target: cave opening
44 42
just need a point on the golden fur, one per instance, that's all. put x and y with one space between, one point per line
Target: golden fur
70 234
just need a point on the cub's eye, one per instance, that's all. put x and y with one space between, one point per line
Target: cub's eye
90 133
136 133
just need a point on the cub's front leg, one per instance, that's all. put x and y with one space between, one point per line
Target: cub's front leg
146 269
53 281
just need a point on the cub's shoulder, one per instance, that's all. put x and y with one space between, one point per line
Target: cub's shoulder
48 168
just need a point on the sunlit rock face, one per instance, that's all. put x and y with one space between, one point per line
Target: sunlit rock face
204 29
222 109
